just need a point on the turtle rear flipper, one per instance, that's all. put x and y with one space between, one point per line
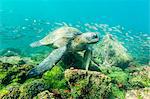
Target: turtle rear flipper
47 63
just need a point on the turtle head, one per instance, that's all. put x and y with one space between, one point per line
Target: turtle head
90 37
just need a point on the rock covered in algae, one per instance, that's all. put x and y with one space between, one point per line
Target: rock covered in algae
142 93
45 95
25 91
16 60
117 75
140 77
89 84
10 92
119 81
14 69
10 60
110 52
29 89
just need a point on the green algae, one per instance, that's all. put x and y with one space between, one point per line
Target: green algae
10 91
117 93
55 78
119 77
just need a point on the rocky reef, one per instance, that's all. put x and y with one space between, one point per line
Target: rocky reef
58 83
110 52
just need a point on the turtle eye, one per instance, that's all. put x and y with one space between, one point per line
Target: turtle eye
95 36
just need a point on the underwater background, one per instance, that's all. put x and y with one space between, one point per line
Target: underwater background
119 66
25 21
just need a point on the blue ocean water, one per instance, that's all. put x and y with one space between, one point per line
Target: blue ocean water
25 21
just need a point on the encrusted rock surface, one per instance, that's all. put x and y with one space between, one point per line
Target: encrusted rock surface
143 93
45 95
89 84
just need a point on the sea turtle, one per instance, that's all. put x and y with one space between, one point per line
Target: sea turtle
63 40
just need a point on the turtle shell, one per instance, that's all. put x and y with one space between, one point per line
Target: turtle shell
59 37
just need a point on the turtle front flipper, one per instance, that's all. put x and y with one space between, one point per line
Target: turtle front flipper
47 63
36 44
87 58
